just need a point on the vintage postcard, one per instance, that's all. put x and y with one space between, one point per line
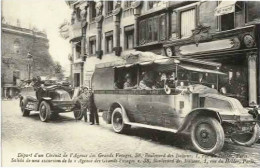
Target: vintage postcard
92 83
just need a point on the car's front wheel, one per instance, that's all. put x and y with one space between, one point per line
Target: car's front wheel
247 139
117 121
78 111
207 135
24 111
45 111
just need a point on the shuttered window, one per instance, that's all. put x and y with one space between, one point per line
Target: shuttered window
152 29
187 22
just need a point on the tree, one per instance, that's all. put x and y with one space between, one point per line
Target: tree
58 70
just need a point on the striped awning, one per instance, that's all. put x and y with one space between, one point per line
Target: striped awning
225 7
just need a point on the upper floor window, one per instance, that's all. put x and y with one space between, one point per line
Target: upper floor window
92 45
109 42
152 4
253 12
187 22
127 4
230 14
129 37
152 29
78 16
77 50
17 46
92 11
109 7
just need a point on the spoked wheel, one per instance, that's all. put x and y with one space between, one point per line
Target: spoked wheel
207 135
247 139
25 112
45 111
117 121
78 112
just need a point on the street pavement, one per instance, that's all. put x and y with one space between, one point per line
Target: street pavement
28 137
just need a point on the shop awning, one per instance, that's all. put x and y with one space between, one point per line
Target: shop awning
225 7
191 68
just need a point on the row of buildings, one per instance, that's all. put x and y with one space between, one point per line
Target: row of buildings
222 31
25 54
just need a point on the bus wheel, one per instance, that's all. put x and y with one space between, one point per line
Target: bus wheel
207 135
117 121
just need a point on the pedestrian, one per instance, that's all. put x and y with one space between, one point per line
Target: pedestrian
92 108
83 100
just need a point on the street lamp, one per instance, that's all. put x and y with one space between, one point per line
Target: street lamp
29 61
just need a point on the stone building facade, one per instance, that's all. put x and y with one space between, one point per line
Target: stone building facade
224 32
17 42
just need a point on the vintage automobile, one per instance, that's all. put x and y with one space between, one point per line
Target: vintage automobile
183 104
49 100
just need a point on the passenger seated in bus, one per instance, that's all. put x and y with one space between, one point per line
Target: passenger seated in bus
147 83
118 84
159 81
129 83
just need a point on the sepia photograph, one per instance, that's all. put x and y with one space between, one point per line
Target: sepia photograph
140 83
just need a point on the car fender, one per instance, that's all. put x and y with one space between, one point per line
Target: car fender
111 109
188 120
47 99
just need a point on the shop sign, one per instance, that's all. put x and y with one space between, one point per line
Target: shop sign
217 45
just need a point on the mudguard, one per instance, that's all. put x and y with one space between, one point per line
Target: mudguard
111 109
197 112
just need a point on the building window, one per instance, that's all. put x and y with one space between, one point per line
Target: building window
109 42
92 45
188 22
127 4
92 12
109 7
253 12
227 22
152 4
17 46
78 13
77 50
129 37
235 19
152 29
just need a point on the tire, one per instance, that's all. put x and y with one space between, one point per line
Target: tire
247 139
25 113
78 112
45 111
117 121
207 135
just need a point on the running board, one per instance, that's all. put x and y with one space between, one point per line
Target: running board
152 127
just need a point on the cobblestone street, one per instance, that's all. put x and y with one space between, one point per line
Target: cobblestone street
28 135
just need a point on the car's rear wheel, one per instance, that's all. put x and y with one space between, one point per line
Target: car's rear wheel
117 121
78 112
207 135
24 111
247 139
45 111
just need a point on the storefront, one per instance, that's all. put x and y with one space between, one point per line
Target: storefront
237 51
